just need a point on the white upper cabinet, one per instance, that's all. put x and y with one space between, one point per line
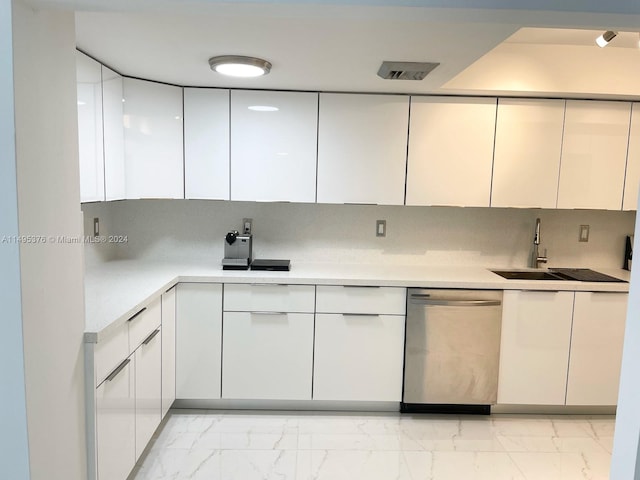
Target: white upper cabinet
113 113
526 161
90 146
206 143
153 140
442 169
273 146
594 153
362 148
632 178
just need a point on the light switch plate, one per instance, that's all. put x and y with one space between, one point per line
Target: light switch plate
381 228
583 236
247 223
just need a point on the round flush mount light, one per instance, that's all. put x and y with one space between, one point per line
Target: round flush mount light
239 66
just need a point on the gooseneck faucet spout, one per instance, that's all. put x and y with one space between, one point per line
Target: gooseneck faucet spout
536 258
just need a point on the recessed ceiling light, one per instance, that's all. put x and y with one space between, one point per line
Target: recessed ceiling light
263 108
239 66
604 39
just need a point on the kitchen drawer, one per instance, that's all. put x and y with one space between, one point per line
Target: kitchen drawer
269 298
109 353
348 299
143 323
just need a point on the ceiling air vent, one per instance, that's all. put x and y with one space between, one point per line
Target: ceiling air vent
405 70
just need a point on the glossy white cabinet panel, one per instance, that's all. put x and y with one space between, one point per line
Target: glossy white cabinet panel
269 298
596 348
632 176
148 368
358 357
143 323
113 113
153 140
90 146
362 148
168 350
534 349
206 143
378 300
528 145
109 353
594 153
267 356
116 424
198 340
273 146
444 169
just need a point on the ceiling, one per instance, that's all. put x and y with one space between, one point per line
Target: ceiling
339 46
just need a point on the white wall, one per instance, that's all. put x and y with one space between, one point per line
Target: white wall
625 461
195 229
14 452
52 274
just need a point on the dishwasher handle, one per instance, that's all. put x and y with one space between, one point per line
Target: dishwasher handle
425 300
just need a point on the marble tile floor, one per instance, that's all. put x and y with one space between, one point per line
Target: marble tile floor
225 445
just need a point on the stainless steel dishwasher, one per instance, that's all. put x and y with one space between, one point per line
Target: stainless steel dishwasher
452 350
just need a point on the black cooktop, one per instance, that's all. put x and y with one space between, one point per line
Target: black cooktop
584 275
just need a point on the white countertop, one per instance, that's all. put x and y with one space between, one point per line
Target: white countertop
116 290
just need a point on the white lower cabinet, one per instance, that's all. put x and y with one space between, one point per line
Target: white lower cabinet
116 423
267 355
534 350
168 350
358 357
596 348
148 389
198 340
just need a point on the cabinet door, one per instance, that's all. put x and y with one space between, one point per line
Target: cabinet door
632 177
116 423
362 148
442 169
168 350
594 154
358 357
206 143
90 142
527 153
153 140
198 340
112 100
148 389
267 355
596 348
273 146
534 347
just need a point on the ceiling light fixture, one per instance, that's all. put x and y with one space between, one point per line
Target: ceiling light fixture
604 39
239 66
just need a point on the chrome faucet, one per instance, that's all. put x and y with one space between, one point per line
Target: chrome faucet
536 258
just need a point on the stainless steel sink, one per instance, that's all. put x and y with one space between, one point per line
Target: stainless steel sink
527 275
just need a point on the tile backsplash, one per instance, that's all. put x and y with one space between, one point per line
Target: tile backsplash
191 230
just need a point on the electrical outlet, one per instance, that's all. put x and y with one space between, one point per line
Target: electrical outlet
381 228
96 227
246 225
583 236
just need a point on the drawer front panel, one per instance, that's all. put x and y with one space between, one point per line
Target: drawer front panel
269 298
141 325
108 354
380 300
